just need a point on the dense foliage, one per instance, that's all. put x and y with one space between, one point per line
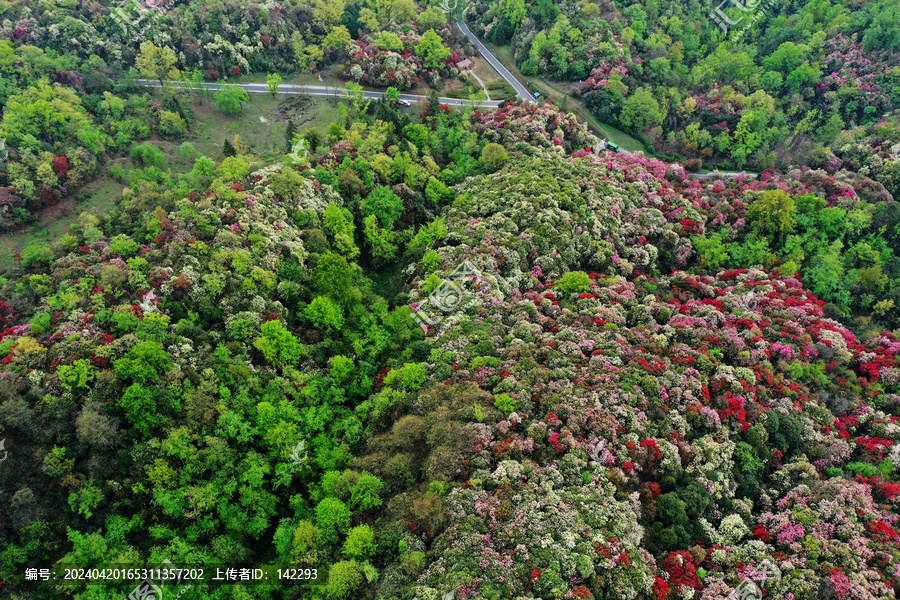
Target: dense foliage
438 351
776 89
594 422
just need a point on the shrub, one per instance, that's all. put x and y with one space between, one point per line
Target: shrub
573 281
35 255
431 261
123 246
494 156
344 578
324 313
147 155
333 518
360 542
505 403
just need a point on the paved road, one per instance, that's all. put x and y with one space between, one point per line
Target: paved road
521 91
722 175
315 90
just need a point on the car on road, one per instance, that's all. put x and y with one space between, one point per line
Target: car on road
612 147
404 103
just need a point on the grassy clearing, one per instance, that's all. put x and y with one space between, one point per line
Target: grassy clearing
550 91
265 139
54 222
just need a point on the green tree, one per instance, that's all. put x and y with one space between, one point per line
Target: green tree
573 281
234 168
337 39
305 543
431 49
52 113
313 138
389 41
513 10
380 241
494 156
170 125
344 578
278 345
328 11
774 214
77 375
324 313
86 498
273 83
230 99
786 58
437 193
288 184
392 94
829 276
641 111
339 223
139 404
384 204
432 18
672 527
337 278
156 62
144 362
711 252
309 56
360 543
403 10
365 493
333 519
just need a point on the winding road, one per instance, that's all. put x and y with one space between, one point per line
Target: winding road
521 91
315 90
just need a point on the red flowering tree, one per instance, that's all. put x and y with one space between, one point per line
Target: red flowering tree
682 570
60 165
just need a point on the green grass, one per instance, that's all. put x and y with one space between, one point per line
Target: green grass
266 140
54 222
263 139
549 91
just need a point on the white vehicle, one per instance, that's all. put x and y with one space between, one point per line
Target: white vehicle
404 103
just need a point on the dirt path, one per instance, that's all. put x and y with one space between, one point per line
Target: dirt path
484 87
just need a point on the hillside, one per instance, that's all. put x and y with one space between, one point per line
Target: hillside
596 410
358 348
